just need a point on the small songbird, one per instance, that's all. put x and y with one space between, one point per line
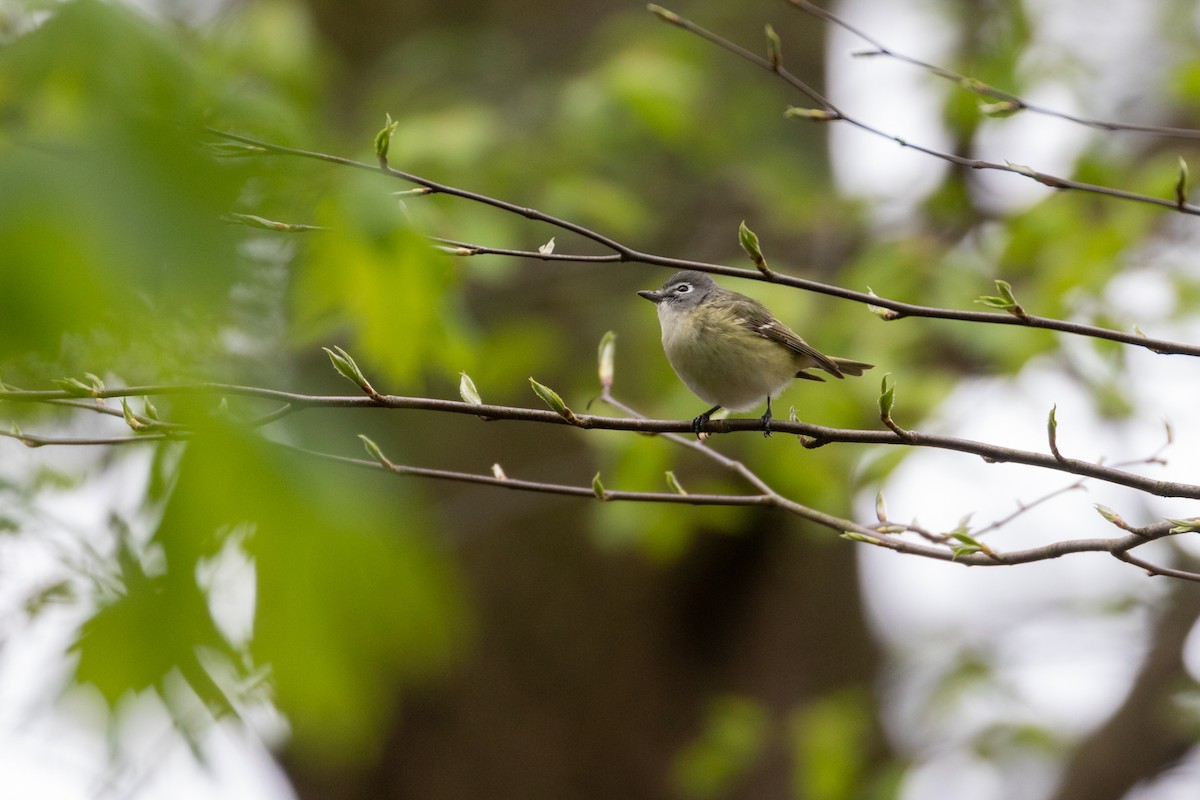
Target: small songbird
730 350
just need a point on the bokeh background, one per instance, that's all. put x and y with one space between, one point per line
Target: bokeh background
235 619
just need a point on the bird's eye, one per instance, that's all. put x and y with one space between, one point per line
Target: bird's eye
683 288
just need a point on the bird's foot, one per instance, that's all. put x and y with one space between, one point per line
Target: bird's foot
701 420
766 420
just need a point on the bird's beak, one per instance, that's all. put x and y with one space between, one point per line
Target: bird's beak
653 297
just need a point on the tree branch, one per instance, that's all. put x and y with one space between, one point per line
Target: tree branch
831 113
625 253
816 435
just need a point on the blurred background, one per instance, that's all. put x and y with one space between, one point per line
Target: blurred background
233 619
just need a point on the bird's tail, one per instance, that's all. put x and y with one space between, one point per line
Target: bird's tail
851 367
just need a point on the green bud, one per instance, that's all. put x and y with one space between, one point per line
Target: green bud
855 536
885 314
774 47
673 483
664 14
887 396
553 400
73 386
815 114
375 453
1001 109
348 369
598 488
605 356
383 140
252 221
149 410
749 241
880 507
467 390
130 419
1110 515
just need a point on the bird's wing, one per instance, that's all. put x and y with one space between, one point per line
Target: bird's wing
759 321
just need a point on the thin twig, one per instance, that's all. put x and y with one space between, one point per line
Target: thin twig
979 87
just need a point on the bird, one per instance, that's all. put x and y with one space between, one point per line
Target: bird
730 350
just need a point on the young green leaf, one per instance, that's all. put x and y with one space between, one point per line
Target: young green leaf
885 314
598 488
887 396
130 419
1000 109
467 390
673 483
375 453
383 140
815 114
552 399
348 369
605 355
1185 525
749 241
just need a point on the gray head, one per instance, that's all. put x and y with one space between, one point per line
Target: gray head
686 289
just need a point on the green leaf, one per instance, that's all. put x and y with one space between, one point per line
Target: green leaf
252 221
855 536
673 483
598 487
1185 525
92 388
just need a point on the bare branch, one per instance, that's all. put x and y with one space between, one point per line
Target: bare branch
1016 103
831 113
817 435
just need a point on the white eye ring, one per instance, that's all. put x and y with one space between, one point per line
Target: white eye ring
683 288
